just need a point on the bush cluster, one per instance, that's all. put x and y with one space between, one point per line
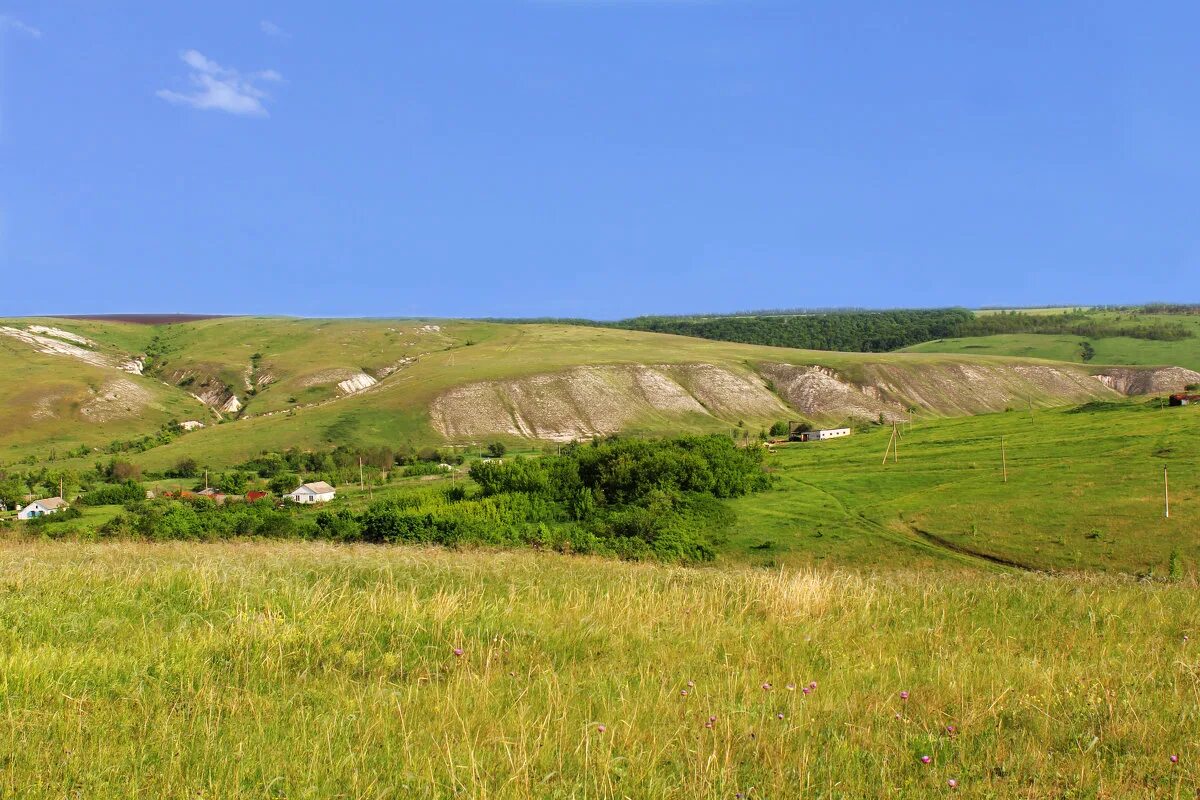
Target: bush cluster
629 498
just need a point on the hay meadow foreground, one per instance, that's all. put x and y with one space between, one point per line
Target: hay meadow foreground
268 669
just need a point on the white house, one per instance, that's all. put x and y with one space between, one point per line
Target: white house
817 436
319 492
40 508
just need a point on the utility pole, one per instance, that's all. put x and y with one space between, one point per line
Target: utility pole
360 475
1166 494
1003 460
893 447
206 477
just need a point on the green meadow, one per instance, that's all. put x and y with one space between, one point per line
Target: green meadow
1084 491
302 670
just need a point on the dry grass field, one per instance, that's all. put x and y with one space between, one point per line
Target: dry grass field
257 670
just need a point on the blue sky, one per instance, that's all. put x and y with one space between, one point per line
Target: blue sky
601 159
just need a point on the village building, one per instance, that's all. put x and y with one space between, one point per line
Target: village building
41 508
1185 400
820 436
317 492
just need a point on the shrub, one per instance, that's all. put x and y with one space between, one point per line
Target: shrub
184 468
340 527
114 494
234 482
629 498
284 482
119 471
423 468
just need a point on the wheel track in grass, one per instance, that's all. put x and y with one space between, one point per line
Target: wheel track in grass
995 560
920 539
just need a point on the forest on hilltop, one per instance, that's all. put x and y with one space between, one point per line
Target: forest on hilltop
862 331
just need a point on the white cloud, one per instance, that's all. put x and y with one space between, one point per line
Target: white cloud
271 29
13 24
218 88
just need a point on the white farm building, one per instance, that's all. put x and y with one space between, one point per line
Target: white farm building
318 492
40 508
819 436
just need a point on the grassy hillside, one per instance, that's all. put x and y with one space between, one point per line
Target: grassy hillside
1110 350
49 403
277 363
307 670
398 410
1084 492
272 383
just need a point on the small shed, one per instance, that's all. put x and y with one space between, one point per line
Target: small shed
1185 399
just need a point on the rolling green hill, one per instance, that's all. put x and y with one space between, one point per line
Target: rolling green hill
275 383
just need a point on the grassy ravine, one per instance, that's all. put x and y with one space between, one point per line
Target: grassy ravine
259 670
